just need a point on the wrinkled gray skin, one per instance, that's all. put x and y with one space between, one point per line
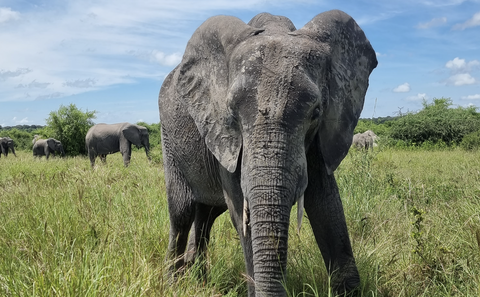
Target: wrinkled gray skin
104 139
365 140
255 118
6 143
45 147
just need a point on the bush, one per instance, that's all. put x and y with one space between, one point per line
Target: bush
69 125
471 141
436 123
22 139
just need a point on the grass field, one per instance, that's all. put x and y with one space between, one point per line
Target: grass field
68 230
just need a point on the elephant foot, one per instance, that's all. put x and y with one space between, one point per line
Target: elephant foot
346 284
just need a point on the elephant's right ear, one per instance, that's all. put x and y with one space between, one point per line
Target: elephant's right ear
202 82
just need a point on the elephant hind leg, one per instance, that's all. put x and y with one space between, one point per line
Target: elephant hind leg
200 232
103 158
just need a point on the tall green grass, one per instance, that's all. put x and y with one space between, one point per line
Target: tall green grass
68 230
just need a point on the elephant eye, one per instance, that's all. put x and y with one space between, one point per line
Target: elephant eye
316 114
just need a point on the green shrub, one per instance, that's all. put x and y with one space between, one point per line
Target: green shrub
69 125
471 141
437 122
21 139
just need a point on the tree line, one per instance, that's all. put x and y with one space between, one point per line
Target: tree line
437 125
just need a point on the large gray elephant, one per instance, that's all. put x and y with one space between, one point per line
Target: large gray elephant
256 118
366 140
45 147
104 139
6 143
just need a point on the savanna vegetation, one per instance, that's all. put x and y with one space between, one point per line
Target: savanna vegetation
67 230
412 208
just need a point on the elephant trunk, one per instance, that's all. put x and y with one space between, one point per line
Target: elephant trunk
147 151
272 182
269 221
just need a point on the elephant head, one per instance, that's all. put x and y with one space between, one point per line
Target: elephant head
276 107
7 143
138 135
55 146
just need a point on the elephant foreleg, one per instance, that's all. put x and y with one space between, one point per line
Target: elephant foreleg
234 198
126 154
103 158
325 212
181 208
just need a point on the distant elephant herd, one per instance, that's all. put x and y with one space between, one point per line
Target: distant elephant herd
255 119
101 140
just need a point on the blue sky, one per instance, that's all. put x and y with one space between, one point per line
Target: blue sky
111 56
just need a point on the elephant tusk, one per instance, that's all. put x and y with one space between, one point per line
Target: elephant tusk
299 213
245 217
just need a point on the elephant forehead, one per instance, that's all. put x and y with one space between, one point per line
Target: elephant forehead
273 50
278 71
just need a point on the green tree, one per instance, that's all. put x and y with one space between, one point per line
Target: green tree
70 125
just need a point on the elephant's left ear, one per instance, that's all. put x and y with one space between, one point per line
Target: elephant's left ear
351 60
51 143
132 134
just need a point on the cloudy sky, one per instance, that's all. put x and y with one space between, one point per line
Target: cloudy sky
111 56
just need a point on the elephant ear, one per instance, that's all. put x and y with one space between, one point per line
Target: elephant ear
132 134
351 60
51 143
202 81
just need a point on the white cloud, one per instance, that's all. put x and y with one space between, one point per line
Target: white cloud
50 96
34 84
473 22
4 74
433 23
461 79
471 97
166 60
7 15
80 83
418 97
20 122
403 88
458 65
460 72
113 42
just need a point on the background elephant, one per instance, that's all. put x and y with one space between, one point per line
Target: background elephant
103 139
256 118
45 147
7 143
366 140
